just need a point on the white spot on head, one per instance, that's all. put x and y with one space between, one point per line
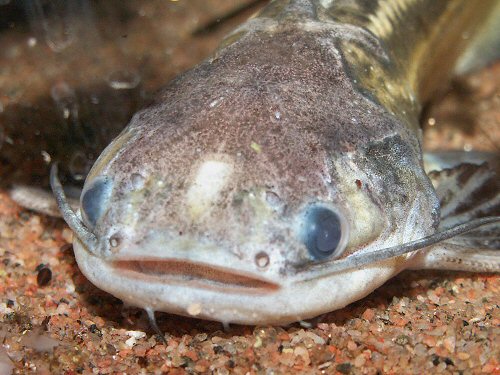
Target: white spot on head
210 179
215 102
137 180
326 3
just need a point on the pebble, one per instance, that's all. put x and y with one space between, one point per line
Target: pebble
300 351
351 345
463 356
369 314
449 343
131 342
360 361
44 276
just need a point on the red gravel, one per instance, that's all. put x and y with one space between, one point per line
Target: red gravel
420 322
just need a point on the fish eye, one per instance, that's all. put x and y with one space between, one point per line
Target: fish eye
323 232
94 200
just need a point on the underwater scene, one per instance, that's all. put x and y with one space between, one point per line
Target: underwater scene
72 75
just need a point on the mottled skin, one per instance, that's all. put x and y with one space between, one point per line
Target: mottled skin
205 194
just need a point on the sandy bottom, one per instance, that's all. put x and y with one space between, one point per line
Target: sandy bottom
53 320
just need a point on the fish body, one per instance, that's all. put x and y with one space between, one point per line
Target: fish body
294 149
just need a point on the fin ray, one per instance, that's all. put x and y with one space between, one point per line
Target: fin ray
465 192
39 200
455 257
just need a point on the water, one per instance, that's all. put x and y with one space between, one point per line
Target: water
34 129
54 93
123 80
73 72
61 22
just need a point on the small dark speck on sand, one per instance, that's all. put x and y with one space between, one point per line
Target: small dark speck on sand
402 340
44 276
344 368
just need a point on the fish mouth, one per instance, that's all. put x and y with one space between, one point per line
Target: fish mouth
193 274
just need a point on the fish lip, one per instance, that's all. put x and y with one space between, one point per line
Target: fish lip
193 274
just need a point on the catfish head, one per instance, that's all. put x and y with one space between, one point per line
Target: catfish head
245 191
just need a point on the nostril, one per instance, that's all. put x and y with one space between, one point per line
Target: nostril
115 240
274 201
95 199
262 259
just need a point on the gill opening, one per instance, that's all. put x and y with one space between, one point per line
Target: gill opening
357 260
79 229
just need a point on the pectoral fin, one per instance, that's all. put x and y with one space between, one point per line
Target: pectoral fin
466 192
40 200
454 257
440 160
